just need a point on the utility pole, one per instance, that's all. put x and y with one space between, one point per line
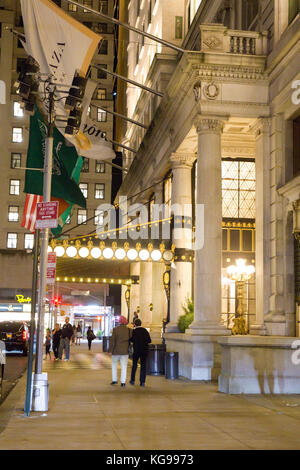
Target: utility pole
40 380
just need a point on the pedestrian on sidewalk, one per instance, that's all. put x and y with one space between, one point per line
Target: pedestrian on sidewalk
66 336
56 335
48 344
140 339
118 347
74 333
90 337
78 334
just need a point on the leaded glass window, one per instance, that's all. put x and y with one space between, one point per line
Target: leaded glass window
238 189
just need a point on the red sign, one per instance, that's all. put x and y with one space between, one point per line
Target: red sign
47 214
51 268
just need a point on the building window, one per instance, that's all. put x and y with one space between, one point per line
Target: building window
99 191
12 240
85 165
167 196
17 136
103 47
99 217
13 214
81 216
72 7
99 167
294 9
18 110
28 241
15 160
14 187
102 27
238 189
178 27
101 115
101 94
84 189
101 74
103 6
87 3
20 64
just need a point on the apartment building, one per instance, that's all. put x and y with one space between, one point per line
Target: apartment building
95 180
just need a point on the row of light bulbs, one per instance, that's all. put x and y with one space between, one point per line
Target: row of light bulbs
108 253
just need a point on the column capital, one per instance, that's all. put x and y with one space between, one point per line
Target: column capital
182 160
204 124
261 126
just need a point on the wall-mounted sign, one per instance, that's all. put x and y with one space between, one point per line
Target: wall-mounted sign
11 308
51 268
23 300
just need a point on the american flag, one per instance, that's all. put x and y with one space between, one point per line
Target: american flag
29 213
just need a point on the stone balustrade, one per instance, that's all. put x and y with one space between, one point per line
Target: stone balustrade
218 38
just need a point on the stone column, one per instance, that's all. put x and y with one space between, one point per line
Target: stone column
208 259
145 293
135 289
262 224
124 309
181 272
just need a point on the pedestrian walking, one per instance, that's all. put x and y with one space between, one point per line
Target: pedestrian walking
90 337
78 334
74 333
48 344
56 335
118 347
140 339
66 336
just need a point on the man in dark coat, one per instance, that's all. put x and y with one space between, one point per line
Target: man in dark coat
66 335
140 339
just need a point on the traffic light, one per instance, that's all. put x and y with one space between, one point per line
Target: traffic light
57 301
28 83
74 103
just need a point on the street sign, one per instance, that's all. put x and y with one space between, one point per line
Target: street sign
47 215
51 268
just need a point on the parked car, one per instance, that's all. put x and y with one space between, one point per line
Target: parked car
15 335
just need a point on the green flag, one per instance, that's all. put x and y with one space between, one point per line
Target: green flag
66 163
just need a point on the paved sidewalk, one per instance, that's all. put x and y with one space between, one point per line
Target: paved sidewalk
86 412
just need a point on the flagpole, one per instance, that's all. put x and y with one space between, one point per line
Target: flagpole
40 379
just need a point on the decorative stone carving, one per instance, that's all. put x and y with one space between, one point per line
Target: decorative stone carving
211 91
212 42
197 91
180 160
208 124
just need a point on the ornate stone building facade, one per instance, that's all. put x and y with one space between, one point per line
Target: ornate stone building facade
229 104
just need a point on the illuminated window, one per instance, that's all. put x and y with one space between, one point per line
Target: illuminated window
99 217
12 240
99 167
101 115
99 191
87 3
81 216
14 187
84 189
101 94
17 135
167 196
13 214
72 7
18 110
238 189
28 241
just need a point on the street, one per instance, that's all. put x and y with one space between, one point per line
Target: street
15 366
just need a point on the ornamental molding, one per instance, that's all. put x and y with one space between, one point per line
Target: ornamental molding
212 42
261 126
230 151
228 72
208 125
211 91
182 160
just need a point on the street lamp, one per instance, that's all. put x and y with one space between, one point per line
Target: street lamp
240 273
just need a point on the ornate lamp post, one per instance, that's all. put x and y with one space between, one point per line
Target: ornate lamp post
240 273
